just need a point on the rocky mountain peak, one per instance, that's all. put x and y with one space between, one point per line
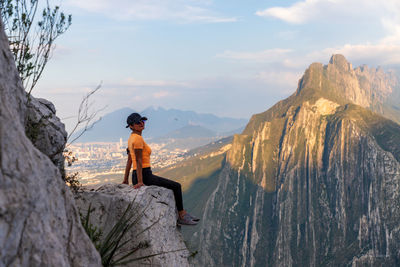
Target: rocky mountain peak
322 89
340 62
372 88
312 180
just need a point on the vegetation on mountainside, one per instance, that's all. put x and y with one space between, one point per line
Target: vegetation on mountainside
32 39
72 180
210 148
385 132
199 177
32 128
201 163
194 199
187 172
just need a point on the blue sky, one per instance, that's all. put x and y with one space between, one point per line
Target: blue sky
226 57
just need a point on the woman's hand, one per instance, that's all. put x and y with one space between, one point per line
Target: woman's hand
138 185
125 182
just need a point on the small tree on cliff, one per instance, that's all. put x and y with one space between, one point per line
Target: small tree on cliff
32 39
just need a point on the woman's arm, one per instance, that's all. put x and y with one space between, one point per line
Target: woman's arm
127 169
139 173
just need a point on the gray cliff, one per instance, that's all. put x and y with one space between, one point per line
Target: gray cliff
45 130
154 220
39 224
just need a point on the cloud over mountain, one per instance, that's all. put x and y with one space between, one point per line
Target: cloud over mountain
385 50
177 10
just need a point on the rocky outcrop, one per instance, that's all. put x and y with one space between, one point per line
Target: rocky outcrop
314 181
154 215
45 130
39 224
371 88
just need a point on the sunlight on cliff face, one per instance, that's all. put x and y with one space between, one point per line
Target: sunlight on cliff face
218 152
325 107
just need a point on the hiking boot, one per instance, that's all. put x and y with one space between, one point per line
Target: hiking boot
186 220
193 218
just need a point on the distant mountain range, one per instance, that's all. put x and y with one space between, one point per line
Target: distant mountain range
163 124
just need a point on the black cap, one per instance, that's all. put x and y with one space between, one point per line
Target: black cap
134 118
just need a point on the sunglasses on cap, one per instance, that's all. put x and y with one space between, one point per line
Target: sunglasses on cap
140 122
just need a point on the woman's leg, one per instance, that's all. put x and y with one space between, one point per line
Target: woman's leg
151 179
134 177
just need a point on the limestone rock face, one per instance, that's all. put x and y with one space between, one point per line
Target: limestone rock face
313 181
45 130
154 210
39 224
326 196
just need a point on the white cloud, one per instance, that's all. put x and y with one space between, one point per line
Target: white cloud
151 83
162 94
379 52
268 55
138 98
371 54
78 90
294 14
285 67
177 10
309 10
284 79
61 51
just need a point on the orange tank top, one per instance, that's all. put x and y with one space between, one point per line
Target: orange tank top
136 141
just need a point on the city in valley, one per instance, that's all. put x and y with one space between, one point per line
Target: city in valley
101 162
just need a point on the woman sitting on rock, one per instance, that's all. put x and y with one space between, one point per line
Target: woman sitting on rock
139 157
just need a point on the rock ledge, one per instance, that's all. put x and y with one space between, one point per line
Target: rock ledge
154 207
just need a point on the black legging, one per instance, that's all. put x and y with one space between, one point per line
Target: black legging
150 179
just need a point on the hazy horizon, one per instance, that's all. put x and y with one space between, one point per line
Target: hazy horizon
228 58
